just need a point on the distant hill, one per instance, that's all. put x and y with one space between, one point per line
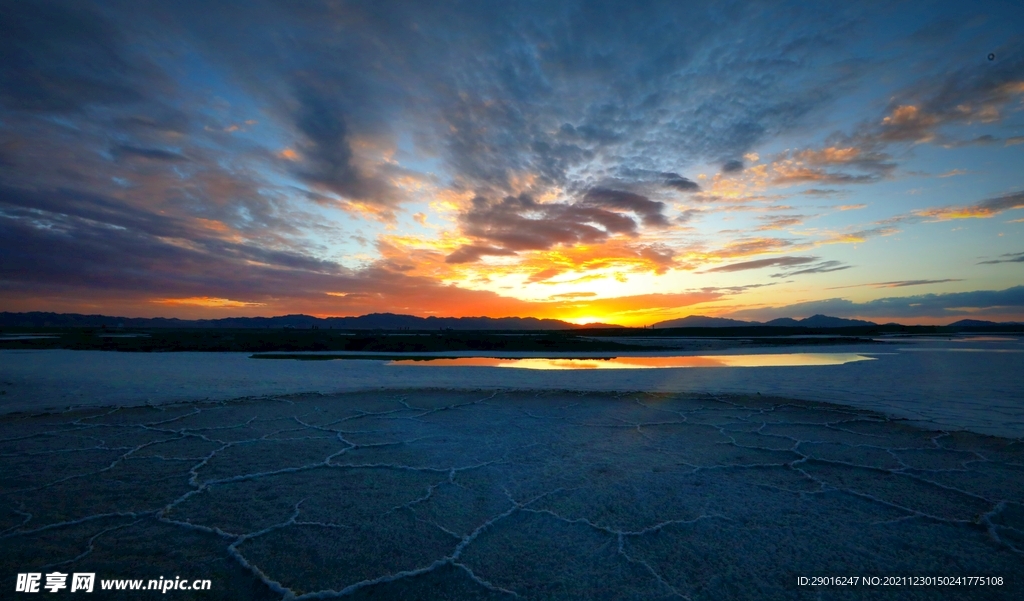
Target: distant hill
784 322
373 321
979 323
824 321
815 321
699 321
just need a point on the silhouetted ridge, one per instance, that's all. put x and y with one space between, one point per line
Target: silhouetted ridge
814 321
373 321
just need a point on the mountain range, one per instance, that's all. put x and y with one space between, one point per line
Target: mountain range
373 321
814 321
980 323
391 321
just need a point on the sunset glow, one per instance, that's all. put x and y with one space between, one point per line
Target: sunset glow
861 162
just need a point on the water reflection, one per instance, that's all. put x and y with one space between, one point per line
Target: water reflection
985 339
26 336
766 360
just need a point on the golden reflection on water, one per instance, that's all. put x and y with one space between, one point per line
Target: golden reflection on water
766 360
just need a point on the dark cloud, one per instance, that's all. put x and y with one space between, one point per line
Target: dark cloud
512 222
978 141
153 154
470 253
732 166
1002 203
518 223
897 284
762 263
71 251
328 157
954 304
1008 258
903 283
786 262
493 91
823 267
678 182
687 216
981 209
70 215
649 211
165 120
63 56
648 179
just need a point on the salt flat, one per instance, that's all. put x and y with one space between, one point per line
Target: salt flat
485 494
949 384
280 479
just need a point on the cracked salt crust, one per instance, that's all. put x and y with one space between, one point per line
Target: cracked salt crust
434 494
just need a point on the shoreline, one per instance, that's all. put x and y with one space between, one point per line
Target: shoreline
976 391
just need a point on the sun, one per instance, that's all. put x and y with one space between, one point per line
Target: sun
583 320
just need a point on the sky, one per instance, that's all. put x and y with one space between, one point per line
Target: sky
621 162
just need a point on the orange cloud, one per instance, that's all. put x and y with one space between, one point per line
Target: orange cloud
981 210
749 247
832 155
908 122
207 301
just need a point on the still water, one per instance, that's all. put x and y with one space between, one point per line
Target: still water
761 360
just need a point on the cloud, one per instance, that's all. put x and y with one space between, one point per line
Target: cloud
732 166
820 166
469 253
746 247
824 192
908 123
687 215
206 301
152 154
963 95
327 157
823 267
1009 258
982 140
179 151
953 173
139 271
762 263
917 115
779 222
649 211
979 210
862 235
678 182
905 283
65 56
519 223
949 305
897 284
